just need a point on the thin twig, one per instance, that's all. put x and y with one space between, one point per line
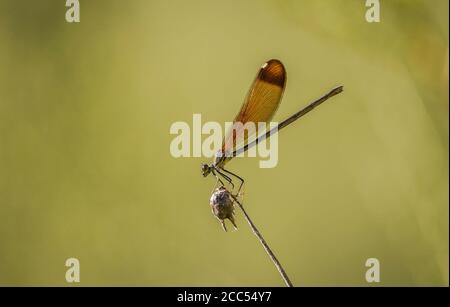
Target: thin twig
280 126
264 244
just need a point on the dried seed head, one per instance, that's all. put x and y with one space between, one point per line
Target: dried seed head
222 206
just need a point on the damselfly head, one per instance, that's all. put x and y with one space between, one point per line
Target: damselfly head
222 205
206 169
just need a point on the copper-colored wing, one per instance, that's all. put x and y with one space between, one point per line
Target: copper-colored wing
260 105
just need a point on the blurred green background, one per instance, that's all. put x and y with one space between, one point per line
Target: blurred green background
85 167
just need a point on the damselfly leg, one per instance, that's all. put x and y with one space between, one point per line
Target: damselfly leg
240 179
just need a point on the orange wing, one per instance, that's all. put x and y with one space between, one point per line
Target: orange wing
260 105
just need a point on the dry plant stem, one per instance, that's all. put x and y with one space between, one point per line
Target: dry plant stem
265 245
280 126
